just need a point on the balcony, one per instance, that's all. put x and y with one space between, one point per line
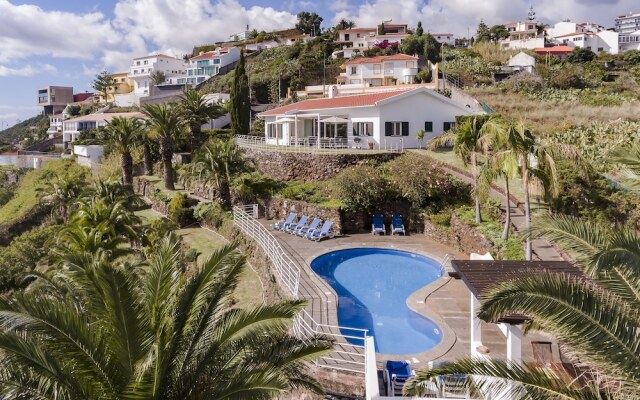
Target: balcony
409 71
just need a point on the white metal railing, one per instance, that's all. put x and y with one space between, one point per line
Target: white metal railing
349 343
315 145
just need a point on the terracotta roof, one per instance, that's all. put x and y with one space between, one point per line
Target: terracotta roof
358 100
379 59
155 55
209 54
106 116
555 49
358 30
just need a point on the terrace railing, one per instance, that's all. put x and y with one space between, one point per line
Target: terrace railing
322 146
349 349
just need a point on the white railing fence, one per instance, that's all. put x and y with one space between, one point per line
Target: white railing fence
349 343
358 144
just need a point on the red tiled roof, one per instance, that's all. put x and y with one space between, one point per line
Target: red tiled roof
358 30
358 100
379 59
554 50
205 56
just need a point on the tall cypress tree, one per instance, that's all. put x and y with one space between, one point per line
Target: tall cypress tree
239 98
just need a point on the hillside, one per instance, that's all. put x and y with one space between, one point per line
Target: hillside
34 125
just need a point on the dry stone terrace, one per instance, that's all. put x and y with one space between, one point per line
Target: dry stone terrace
445 301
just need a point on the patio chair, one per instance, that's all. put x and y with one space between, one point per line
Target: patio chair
396 225
303 230
321 233
284 222
378 225
395 375
451 386
292 227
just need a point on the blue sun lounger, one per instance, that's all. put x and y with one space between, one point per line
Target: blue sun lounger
303 230
396 225
292 227
321 233
284 222
378 225
395 375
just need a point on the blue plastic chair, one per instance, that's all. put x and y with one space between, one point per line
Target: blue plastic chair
303 230
396 225
285 222
395 376
378 225
292 227
321 233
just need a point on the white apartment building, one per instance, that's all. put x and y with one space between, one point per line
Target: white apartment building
522 35
380 71
357 40
628 24
584 35
142 67
55 124
444 38
205 65
240 36
71 128
629 41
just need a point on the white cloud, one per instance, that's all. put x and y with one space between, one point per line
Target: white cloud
27 30
339 5
7 117
27 70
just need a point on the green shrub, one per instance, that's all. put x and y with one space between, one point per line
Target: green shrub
524 82
157 230
513 249
360 188
311 192
211 213
632 57
191 255
442 218
5 195
177 210
160 196
23 254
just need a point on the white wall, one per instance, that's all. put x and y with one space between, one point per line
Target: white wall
388 69
523 43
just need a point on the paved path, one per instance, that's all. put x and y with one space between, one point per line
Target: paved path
542 249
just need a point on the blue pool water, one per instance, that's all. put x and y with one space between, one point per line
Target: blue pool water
373 286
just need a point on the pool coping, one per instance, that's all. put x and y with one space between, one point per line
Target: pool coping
415 302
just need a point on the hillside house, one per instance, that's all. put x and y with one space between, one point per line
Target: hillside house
522 35
356 40
380 71
384 120
72 127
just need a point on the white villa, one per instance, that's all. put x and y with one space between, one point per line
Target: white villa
522 35
384 120
142 67
356 40
585 35
72 127
205 65
380 71
444 38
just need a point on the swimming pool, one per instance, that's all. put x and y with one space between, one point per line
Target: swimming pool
373 286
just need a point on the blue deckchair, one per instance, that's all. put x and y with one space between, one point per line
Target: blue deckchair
292 227
396 225
395 375
303 230
378 225
284 222
324 232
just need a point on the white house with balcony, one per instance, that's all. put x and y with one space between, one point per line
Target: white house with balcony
71 128
55 124
522 35
356 40
207 64
584 35
380 71
445 38
142 67
383 120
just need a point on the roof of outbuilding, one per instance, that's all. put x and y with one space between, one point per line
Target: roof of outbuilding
379 59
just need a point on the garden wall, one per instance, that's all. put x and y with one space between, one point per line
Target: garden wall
310 167
458 235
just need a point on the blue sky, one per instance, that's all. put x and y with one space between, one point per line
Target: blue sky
66 42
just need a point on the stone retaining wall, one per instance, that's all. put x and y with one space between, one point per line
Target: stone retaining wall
310 167
458 235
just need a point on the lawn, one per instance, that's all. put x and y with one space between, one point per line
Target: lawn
158 183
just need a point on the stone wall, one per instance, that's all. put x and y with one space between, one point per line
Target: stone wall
310 167
458 235
278 208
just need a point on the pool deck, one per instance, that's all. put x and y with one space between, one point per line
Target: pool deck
445 301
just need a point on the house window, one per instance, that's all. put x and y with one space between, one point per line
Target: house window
377 68
409 64
146 62
428 126
346 37
396 129
137 62
274 131
354 70
448 126
600 49
363 129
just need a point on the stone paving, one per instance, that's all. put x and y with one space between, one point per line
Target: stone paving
445 301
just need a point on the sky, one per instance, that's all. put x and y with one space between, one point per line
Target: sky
67 42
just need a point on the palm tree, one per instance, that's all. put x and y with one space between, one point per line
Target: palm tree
469 144
217 164
197 111
124 134
168 125
133 332
147 153
61 193
113 218
113 191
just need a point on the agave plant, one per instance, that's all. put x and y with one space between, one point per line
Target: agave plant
149 332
